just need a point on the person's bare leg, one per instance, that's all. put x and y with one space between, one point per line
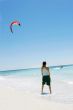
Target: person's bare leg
50 89
42 88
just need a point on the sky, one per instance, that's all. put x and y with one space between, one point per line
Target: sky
46 33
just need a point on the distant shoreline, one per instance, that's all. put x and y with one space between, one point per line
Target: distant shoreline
55 66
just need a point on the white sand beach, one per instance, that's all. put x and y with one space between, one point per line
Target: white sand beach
12 99
21 92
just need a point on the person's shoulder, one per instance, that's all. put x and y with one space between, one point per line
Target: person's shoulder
47 68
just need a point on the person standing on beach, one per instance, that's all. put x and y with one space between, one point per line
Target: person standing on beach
45 76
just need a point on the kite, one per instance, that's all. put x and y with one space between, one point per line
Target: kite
14 23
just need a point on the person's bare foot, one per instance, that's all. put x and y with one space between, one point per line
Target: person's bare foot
41 92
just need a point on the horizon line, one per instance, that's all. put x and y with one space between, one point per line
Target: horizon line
55 66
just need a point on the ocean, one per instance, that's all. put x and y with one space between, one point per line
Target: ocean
29 80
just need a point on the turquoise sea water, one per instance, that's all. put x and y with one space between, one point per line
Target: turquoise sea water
30 80
65 71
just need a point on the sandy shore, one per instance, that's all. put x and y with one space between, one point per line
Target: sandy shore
12 99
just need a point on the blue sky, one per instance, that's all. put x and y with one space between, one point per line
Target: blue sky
46 33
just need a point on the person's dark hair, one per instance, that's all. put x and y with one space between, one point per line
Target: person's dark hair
44 64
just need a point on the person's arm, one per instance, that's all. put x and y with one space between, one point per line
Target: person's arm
42 72
48 71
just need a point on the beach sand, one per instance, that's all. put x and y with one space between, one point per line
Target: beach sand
12 99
